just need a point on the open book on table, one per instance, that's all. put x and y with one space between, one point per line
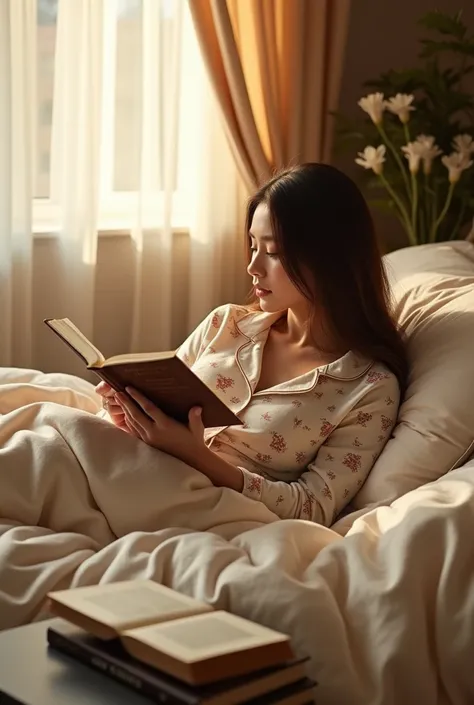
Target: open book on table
174 633
162 377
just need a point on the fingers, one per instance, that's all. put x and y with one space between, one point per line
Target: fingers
195 424
122 425
149 409
133 427
125 420
137 421
105 390
109 400
111 406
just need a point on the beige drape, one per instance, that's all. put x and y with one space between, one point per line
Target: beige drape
276 67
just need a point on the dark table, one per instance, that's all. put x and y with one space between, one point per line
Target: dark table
32 674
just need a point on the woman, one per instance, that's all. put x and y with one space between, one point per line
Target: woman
314 369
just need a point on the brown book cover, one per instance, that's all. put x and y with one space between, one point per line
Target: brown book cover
174 633
162 377
110 658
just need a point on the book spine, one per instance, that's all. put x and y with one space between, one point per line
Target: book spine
107 665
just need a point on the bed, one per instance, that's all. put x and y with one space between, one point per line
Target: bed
383 601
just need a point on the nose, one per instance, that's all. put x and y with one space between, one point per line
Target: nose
256 268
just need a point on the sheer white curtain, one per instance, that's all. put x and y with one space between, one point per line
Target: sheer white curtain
17 167
75 153
120 203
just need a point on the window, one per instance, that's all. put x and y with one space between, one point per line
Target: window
46 44
139 89
125 158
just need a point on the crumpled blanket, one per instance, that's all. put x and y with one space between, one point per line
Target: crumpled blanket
385 612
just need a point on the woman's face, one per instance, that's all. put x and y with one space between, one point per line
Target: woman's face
273 287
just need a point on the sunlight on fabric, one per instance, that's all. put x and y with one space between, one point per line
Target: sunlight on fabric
139 85
17 136
168 8
109 126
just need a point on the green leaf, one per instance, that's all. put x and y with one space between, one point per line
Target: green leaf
392 82
431 48
444 23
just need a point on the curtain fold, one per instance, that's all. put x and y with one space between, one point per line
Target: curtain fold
75 156
217 265
154 246
17 169
276 68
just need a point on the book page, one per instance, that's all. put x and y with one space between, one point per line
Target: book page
206 635
135 605
129 604
138 357
77 340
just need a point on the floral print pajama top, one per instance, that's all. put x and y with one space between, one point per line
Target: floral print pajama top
305 446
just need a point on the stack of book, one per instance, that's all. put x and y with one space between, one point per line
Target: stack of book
176 650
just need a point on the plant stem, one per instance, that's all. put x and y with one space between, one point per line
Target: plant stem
414 205
462 71
443 212
458 223
426 206
397 157
414 190
401 208
407 132
421 235
434 209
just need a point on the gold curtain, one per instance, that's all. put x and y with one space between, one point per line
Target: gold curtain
276 67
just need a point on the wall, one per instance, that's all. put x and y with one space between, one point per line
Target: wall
383 34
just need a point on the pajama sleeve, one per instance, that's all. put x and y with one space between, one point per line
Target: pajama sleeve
196 342
342 462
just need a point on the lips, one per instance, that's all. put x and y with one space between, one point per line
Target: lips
260 292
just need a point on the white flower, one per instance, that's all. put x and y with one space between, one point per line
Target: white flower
464 144
374 105
413 151
456 163
401 105
372 158
429 151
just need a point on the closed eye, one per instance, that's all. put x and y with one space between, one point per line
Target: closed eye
269 254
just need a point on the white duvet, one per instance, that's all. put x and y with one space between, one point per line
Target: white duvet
386 612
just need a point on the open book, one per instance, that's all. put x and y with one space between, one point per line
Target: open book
162 377
174 633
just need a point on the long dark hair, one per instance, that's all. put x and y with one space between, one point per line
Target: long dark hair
327 244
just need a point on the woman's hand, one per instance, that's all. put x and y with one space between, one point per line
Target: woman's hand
146 421
111 406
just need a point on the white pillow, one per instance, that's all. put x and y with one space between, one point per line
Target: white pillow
433 289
